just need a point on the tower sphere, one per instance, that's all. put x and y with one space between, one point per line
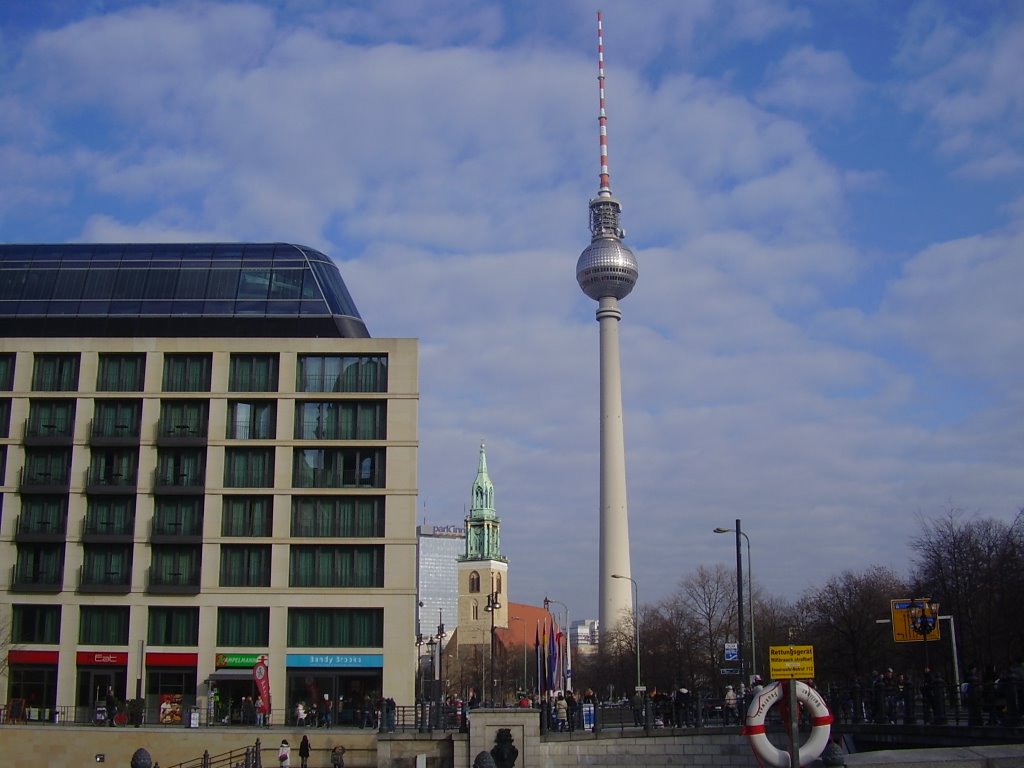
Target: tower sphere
606 268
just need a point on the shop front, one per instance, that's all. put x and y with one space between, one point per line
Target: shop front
232 690
171 687
31 685
100 673
333 688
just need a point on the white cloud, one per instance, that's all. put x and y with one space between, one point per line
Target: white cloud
813 81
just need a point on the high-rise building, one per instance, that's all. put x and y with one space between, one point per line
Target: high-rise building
440 547
607 271
206 459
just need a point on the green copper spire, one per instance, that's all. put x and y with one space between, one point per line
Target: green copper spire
483 527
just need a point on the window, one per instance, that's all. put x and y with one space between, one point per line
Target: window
116 418
35 624
341 420
173 625
43 514
5 417
336 627
6 372
245 566
110 515
253 373
55 373
339 468
178 516
336 566
107 564
183 418
114 466
187 373
40 565
338 516
50 418
121 373
103 625
342 373
243 626
474 582
175 566
252 420
249 467
181 466
46 466
247 516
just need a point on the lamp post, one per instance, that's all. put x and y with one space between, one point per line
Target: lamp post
568 643
492 607
924 617
521 619
739 594
438 686
636 622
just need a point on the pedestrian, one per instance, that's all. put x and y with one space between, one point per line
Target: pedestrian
561 712
111 703
261 712
284 755
304 751
731 712
338 757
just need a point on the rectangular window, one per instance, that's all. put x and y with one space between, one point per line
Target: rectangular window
338 468
187 373
40 565
336 566
6 372
249 467
342 373
55 373
178 516
116 418
183 418
336 627
245 566
50 418
253 373
121 373
338 516
35 624
5 417
114 466
252 420
247 516
43 514
173 625
341 420
175 566
107 565
103 625
47 466
181 466
110 516
243 627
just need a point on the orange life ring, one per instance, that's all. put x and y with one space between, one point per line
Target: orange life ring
754 730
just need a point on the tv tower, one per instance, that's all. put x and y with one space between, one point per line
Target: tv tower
607 271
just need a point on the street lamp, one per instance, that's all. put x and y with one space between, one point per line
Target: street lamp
492 607
739 594
568 641
636 622
520 618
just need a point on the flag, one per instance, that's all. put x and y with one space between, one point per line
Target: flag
538 654
552 658
262 680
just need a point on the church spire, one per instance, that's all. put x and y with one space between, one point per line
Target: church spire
483 527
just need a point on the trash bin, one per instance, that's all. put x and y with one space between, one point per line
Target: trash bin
193 717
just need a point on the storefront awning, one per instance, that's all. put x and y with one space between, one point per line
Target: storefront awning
231 674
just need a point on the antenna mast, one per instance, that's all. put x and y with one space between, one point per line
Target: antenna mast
602 117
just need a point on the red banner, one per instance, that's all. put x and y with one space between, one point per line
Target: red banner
90 658
262 679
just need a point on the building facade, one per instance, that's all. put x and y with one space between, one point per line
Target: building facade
206 460
440 547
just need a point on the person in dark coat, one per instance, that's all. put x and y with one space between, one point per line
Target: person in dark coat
304 752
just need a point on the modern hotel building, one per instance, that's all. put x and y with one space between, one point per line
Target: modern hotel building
204 459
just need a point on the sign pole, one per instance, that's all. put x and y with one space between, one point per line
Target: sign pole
794 724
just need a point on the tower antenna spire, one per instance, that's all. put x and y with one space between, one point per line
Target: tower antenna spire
602 117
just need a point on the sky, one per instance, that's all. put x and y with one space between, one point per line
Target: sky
825 199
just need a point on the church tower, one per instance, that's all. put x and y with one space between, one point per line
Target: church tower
483 570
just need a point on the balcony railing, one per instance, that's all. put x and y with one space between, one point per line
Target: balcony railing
52 480
47 432
182 431
103 479
96 529
169 482
110 432
183 582
106 582
36 528
28 580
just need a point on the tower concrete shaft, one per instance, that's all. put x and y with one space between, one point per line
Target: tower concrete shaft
615 596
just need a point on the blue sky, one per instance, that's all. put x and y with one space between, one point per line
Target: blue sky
825 199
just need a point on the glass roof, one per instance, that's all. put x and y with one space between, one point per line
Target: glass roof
237 281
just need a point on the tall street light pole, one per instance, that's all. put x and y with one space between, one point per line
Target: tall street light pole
493 604
568 641
739 593
636 623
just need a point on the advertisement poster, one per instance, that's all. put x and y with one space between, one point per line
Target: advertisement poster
170 708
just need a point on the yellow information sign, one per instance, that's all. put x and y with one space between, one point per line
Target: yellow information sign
791 661
903 629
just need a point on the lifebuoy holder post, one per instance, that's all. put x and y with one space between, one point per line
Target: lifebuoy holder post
754 728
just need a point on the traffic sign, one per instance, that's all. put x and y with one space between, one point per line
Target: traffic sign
732 652
902 628
791 661
729 671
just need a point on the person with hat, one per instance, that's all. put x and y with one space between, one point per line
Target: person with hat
284 755
731 713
